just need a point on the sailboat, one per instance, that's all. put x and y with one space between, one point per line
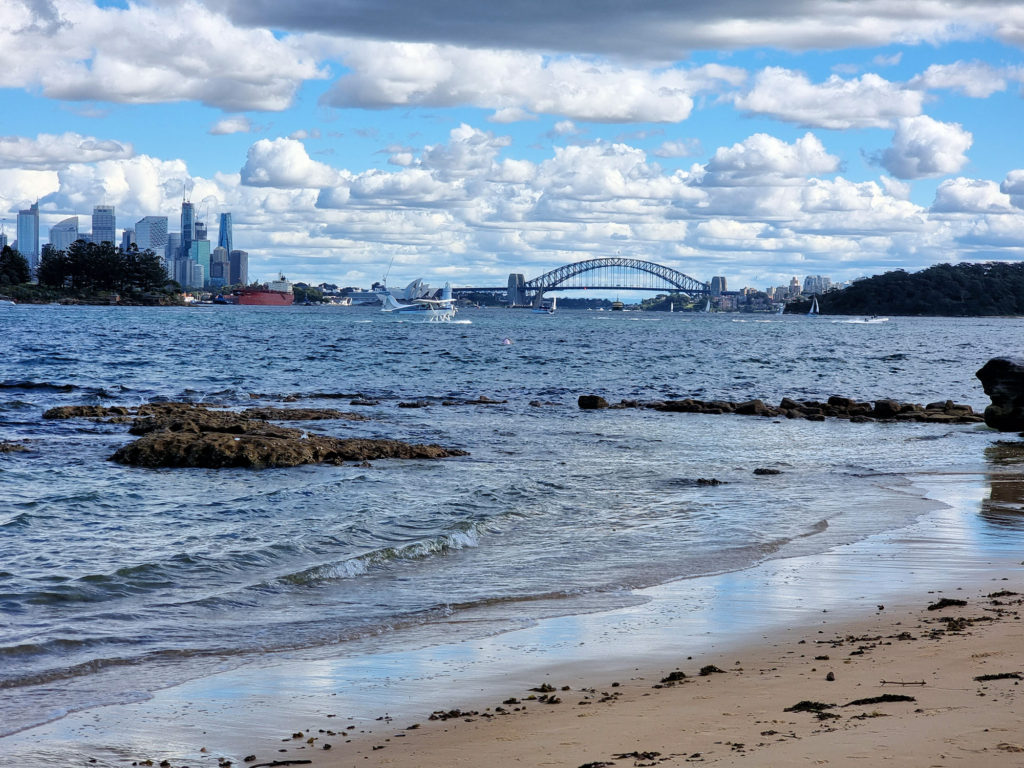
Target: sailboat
547 307
814 307
707 307
781 309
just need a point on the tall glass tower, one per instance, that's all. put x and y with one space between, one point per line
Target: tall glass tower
28 235
188 228
224 238
103 224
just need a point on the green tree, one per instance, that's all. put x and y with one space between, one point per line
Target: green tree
14 269
54 269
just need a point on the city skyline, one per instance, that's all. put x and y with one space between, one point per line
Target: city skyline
456 143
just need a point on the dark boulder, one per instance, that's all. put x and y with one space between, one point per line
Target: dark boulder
591 402
886 409
1003 381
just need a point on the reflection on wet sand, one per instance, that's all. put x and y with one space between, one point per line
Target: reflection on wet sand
1005 503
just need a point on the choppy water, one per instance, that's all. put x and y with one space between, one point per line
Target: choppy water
116 581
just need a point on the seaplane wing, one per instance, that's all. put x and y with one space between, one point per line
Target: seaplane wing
434 301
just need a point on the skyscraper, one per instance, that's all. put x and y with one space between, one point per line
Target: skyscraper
127 239
62 235
104 224
220 268
224 236
239 267
151 234
28 235
188 227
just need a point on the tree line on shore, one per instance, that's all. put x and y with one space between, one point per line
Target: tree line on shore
945 290
86 270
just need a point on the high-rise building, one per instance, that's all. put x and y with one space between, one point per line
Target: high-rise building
127 239
794 287
239 267
188 227
201 231
200 254
104 224
220 268
817 284
62 235
224 235
151 234
28 235
718 285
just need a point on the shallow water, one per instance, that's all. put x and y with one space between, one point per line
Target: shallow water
116 582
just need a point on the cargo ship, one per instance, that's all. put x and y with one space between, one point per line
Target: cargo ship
276 293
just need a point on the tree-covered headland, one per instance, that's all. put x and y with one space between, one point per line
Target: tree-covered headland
948 290
91 272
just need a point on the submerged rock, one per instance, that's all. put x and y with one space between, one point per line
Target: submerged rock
591 402
1003 381
259 450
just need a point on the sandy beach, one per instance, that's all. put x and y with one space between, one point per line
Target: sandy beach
932 685
625 687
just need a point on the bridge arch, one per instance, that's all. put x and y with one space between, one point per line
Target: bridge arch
654 276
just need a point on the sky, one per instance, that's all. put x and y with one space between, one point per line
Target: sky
461 141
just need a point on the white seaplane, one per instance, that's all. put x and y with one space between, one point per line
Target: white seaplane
439 310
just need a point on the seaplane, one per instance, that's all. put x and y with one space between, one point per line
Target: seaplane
427 310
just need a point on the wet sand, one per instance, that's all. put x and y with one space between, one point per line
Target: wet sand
918 675
764 627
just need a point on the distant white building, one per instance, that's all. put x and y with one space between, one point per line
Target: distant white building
63 234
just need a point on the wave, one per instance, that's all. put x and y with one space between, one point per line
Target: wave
15 384
360 564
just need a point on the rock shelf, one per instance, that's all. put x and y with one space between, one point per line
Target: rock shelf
836 407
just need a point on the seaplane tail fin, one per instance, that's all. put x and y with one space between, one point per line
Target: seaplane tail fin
446 294
389 302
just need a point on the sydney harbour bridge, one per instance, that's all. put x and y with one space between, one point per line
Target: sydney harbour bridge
596 274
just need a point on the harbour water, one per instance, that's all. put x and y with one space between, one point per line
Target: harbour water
119 582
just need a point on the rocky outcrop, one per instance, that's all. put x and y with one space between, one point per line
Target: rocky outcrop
255 450
591 402
836 407
190 435
1003 381
85 412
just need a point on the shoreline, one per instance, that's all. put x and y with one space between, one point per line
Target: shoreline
253 710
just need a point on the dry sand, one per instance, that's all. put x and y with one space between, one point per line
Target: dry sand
738 716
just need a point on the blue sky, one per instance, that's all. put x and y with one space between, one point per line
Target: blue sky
465 141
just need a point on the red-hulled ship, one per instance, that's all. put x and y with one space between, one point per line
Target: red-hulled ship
276 293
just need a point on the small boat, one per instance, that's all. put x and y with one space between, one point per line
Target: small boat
546 307
782 308
813 312
428 310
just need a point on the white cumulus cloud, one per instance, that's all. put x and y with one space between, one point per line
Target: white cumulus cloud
53 151
971 78
517 85
232 124
285 163
923 148
961 195
763 159
868 101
